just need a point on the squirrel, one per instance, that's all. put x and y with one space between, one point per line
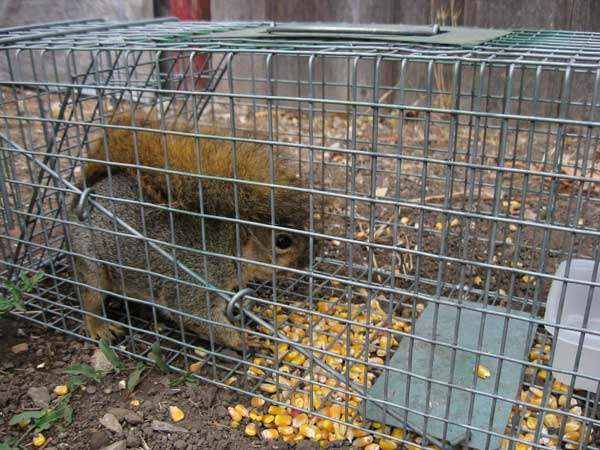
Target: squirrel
107 259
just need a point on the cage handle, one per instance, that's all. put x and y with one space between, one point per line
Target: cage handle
347 29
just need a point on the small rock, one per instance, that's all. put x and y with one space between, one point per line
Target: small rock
157 425
99 362
131 417
99 439
90 389
119 445
107 391
111 423
180 444
20 348
40 396
133 441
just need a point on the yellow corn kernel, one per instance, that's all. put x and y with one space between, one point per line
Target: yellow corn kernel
257 402
39 440
521 446
235 415
372 446
282 420
404 220
242 410
135 402
299 420
270 434
453 223
256 371
572 425
562 400
325 424
285 430
477 280
61 390
512 227
398 433
176 413
234 424
255 415
535 391
363 441
386 444
482 371
195 367
229 381
268 418
335 412
274 409
552 402
251 429
269 388
572 436
551 421
531 422
201 353
309 431
439 226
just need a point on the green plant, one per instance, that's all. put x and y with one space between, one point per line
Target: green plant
16 290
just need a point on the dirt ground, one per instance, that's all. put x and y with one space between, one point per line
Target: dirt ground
42 366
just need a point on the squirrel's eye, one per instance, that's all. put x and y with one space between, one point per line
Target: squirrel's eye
283 241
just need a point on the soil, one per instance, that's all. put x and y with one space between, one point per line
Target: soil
43 364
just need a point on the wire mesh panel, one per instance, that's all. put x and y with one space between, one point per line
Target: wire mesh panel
400 238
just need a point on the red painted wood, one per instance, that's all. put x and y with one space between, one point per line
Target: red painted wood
192 10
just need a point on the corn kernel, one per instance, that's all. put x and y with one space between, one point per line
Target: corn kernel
176 413
512 227
234 414
477 280
274 410
572 425
531 422
257 402
299 420
251 429
398 433
282 420
242 410
572 436
482 371
363 441
135 402
61 390
386 444
229 381
195 367
439 226
285 430
270 434
325 424
269 388
372 447
551 421
309 431
535 391
404 220
39 440
201 353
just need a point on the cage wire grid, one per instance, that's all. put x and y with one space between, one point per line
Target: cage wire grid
456 177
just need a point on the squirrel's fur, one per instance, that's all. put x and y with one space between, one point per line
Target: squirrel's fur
107 260
209 156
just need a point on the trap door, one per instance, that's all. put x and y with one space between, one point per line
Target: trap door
438 365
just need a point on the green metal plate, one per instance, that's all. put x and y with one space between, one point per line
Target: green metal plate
486 414
459 36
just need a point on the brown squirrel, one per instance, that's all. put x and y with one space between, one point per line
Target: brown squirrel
106 260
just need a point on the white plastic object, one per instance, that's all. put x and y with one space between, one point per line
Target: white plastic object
574 307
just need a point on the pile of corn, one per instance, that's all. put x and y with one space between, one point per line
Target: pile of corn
330 397
325 394
543 426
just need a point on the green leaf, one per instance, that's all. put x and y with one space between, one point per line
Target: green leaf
68 414
73 382
43 423
134 377
111 355
84 370
158 359
27 415
8 445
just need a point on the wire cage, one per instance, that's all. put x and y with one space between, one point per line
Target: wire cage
453 183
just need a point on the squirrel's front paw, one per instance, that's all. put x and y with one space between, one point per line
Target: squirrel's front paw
100 329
